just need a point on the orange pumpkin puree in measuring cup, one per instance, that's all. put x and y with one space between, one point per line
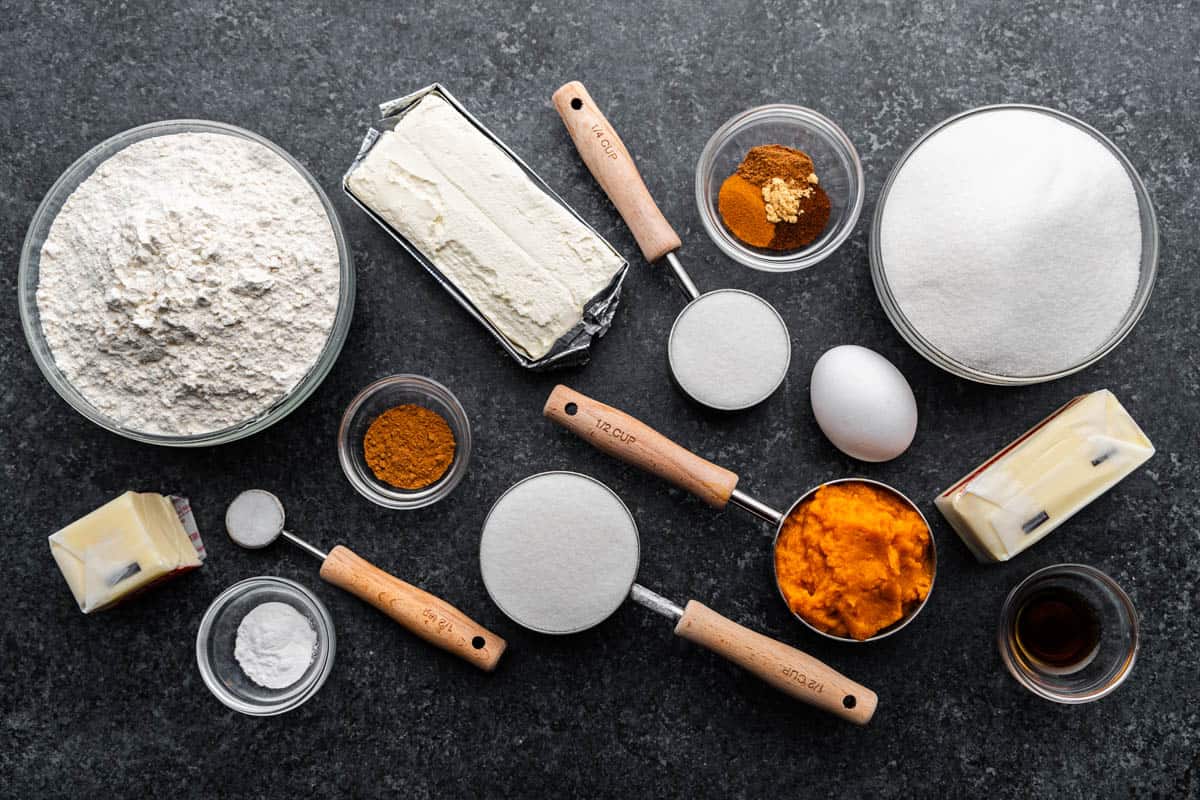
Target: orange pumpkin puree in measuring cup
853 559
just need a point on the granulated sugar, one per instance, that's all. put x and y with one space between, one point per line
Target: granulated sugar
1011 241
729 350
559 552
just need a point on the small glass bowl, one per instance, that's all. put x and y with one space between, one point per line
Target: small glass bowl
1148 268
218 633
27 284
379 397
834 157
1113 659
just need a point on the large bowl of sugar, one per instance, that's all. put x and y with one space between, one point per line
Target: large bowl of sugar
1014 244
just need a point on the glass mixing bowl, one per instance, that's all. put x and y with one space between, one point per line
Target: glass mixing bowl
1147 271
27 283
218 634
834 159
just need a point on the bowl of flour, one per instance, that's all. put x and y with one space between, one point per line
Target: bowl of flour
186 283
1014 244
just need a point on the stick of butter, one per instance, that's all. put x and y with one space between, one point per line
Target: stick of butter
125 546
1036 483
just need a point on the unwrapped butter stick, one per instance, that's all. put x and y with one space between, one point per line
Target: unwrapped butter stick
1036 483
123 547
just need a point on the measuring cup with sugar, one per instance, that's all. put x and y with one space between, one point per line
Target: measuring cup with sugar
559 554
728 349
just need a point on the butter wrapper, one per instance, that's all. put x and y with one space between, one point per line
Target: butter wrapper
1048 474
126 546
572 347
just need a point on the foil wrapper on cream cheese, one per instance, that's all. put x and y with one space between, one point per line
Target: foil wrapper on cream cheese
512 253
1036 483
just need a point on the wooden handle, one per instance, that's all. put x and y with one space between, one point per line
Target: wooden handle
786 668
612 166
636 443
429 617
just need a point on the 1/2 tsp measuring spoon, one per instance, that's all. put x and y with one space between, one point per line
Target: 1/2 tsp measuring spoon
255 519
559 554
728 349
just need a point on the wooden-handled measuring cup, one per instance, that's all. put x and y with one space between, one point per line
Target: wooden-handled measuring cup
612 431
559 554
707 356
255 519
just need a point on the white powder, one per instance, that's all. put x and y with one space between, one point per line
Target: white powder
254 519
1011 241
275 644
188 283
729 350
559 552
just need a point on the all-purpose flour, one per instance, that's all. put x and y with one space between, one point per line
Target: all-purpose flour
1011 241
189 283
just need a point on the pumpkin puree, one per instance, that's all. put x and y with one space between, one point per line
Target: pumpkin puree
853 559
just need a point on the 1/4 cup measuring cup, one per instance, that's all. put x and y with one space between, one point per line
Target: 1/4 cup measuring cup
728 349
559 554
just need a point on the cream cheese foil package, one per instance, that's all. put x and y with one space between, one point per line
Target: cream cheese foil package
488 228
1036 483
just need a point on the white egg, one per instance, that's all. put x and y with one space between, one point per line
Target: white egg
863 404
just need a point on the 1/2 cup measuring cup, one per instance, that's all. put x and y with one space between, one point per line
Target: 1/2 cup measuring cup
616 433
559 554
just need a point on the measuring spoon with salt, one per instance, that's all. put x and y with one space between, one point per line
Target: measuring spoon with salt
559 554
728 349
255 519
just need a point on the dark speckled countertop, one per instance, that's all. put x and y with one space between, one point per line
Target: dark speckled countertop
113 704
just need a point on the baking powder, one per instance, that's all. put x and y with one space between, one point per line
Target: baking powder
275 644
189 283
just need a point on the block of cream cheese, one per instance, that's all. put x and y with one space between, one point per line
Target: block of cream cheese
1036 483
526 263
126 545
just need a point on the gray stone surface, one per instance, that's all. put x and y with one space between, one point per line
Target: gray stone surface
114 703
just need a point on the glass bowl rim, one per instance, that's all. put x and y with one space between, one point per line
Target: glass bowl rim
326 634
1147 268
458 421
70 179
802 116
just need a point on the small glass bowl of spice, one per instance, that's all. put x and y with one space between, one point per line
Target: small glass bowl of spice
404 442
779 187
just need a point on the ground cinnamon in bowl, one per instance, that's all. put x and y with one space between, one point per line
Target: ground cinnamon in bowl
409 447
774 199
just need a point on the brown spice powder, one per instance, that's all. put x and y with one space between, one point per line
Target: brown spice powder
775 161
409 446
774 200
808 226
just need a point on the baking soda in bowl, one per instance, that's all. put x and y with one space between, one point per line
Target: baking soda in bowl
1011 242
